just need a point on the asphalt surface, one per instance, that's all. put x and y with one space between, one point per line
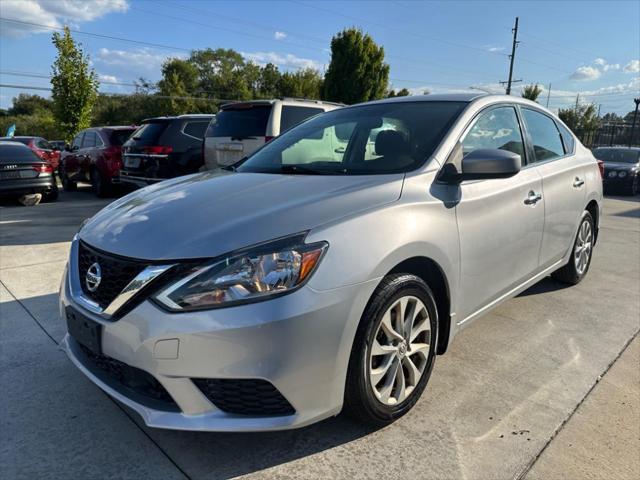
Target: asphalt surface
517 391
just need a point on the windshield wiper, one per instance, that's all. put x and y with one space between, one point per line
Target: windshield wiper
300 169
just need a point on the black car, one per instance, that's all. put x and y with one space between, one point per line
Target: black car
164 147
621 169
22 173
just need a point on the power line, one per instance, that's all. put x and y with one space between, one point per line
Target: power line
91 34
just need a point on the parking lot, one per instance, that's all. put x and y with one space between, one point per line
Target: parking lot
517 396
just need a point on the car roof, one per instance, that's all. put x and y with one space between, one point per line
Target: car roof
180 117
437 97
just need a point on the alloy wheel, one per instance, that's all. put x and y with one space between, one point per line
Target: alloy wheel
582 250
400 350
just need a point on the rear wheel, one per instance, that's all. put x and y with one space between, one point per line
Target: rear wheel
578 266
68 185
393 352
100 187
51 196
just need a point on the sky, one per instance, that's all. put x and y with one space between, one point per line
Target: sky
591 48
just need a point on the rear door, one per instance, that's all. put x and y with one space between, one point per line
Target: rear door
87 152
563 183
71 162
500 227
236 131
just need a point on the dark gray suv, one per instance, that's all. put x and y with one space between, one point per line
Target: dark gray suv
164 147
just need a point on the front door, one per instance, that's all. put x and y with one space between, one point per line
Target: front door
500 221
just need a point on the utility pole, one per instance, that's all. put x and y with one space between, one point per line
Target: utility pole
548 94
512 58
633 124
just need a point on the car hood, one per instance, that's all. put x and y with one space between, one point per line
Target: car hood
209 214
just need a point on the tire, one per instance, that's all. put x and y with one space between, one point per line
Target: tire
634 188
68 185
52 196
574 271
100 187
367 397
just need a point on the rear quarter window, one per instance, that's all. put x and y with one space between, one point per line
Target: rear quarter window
240 121
196 129
292 116
567 139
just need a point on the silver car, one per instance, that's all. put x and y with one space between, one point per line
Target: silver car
329 269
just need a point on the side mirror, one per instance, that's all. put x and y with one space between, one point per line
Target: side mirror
479 164
490 163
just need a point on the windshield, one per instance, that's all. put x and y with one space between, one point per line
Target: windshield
241 121
371 139
617 155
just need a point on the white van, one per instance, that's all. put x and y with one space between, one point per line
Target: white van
239 129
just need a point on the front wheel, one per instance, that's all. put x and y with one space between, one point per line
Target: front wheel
68 185
578 266
393 352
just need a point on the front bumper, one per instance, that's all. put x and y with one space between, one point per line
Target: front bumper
300 343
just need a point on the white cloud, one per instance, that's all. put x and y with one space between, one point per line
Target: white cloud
107 78
279 35
586 73
286 60
54 13
142 59
600 61
611 66
632 67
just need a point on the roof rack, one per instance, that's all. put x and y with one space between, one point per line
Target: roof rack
301 99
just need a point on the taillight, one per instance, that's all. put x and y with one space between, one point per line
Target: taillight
42 154
158 149
601 168
43 168
268 138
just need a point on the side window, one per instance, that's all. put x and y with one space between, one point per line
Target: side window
89 140
77 142
496 129
196 129
291 116
547 143
567 139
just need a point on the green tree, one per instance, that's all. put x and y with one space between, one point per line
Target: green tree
531 92
25 104
179 81
269 81
357 72
221 73
403 93
305 83
580 118
74 85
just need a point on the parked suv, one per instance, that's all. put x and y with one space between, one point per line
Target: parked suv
239 129
164 147
621 169
94 156
306 281
40 146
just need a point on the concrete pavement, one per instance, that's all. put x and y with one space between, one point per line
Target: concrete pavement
508 389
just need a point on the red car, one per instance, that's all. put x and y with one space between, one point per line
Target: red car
95 156
40 147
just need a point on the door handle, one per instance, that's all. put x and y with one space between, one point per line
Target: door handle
533 198
340 150
578 182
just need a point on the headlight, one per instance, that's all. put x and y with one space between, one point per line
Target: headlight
256 274
622 174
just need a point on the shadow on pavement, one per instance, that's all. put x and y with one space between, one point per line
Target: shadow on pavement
545 285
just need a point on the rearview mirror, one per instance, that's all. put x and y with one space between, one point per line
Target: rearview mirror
490 163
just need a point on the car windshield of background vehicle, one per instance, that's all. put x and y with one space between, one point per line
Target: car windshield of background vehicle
617 155
17 154
374 139
240 121
147 134
118 137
